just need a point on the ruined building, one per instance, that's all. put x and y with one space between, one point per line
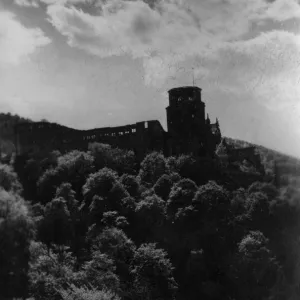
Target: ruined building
189 131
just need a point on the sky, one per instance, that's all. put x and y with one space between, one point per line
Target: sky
99 63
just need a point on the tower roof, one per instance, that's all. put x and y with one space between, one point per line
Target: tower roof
182 88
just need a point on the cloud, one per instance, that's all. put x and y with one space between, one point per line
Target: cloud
27 3
162 33
69 2
133 28
282 10
266 68
17 41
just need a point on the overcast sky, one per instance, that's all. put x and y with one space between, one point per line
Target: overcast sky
94 63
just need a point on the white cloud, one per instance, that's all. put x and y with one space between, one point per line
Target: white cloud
282 10
17 41
27 3
132 27
266 67
63 2
166 33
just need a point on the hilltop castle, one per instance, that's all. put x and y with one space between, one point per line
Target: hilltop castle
189 131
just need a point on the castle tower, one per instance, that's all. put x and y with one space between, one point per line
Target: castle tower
186 111
186 118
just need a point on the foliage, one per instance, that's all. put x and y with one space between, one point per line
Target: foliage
103 191
163 186
16 232
56 225
84 293
153 167
153 273
131 184
256 268
9 179
73 167
120 160
181 195
172 228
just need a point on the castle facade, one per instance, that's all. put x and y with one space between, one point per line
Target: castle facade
189 132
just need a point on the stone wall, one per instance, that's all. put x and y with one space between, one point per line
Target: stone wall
45 137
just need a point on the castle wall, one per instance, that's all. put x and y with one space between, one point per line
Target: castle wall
45 137
247 153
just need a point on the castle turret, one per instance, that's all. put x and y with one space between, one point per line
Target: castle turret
208 120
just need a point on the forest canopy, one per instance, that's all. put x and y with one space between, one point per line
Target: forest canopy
97 224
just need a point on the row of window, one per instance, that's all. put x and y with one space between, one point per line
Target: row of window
110 134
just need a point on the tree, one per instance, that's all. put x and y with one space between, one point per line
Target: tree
66 192
73 167
213 201
9 179
255 270
263 187
185 166
47 185
163 186
85 293
120 160
151 216
120 249
104 186
181 195
56 227
100 273
99 183
16 233
152 274
50 272
258 210
113 219
131 184
153 167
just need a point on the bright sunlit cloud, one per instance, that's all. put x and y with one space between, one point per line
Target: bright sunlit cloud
17 41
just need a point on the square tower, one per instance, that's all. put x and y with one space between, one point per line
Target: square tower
186 112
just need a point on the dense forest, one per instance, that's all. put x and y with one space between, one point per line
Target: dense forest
99 225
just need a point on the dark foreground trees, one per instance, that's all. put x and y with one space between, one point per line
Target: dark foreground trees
99 226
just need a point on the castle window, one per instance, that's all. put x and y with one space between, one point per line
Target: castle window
146 125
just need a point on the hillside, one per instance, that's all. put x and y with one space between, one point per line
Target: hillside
7 123
173 228
286 167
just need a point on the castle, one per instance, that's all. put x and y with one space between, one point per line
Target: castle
189 132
